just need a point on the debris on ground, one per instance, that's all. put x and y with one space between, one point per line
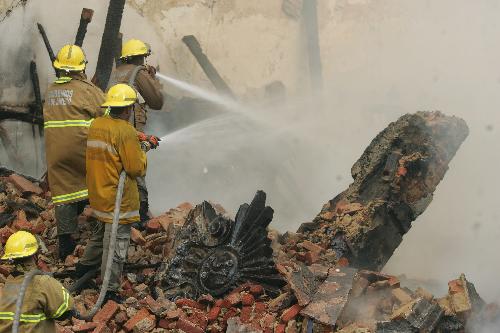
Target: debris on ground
194 269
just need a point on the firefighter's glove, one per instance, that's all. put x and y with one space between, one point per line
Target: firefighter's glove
154 141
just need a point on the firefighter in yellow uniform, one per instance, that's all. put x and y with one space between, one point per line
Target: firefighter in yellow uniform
113 146
132 71
45 300
71 103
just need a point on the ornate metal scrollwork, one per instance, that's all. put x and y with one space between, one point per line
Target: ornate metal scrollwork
213 254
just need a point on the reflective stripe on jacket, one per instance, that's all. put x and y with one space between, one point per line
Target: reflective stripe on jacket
113 146
45 300
70 107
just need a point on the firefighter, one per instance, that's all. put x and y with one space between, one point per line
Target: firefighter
112 146
45 299
133 71
71 103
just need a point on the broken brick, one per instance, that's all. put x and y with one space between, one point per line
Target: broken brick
247 299
85 327
153 226
5 270
185 302
136 237
24 185
256 290
234 298
132 322
188 326
213 314
5 233
291 313
107 312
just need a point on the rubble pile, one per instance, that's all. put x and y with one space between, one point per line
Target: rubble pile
195 269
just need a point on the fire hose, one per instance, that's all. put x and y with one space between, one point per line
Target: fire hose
105 283
111 250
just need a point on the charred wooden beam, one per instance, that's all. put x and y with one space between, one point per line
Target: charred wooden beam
85 19
41 29
23 113
214 254
108 44
207 66
394 182
118 50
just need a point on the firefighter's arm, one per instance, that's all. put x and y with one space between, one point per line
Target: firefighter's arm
57 299
150 90
131 155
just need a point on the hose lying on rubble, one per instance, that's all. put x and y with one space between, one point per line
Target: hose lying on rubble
104 288
111 250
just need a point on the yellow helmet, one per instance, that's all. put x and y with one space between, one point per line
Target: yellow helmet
135 47
120 95
70 58
20 245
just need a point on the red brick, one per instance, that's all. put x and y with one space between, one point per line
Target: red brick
102 328
137 237
21 223
62 329
223 303
5 233
153 226
246 313
256 290
280 328
106 313
85 327
5 270
145 325
213 314
121 317
174 314
24 185
343 262
267 321
206 299
311 258
152 304
188 327
260 307
247 299
234 298
166 324
140 315
43 266
181 302
199 319
229 314
310 246
70 261
290 313
126 284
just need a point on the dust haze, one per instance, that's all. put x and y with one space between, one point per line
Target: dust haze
381 59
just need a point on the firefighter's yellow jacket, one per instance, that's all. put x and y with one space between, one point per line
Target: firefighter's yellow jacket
113 146
45 300
70 106
148 87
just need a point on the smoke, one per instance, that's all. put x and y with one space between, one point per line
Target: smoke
381 59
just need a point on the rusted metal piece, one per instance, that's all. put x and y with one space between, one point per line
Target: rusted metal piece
85 19
328 302
214 254
108 44
41 29
207 66
394 182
